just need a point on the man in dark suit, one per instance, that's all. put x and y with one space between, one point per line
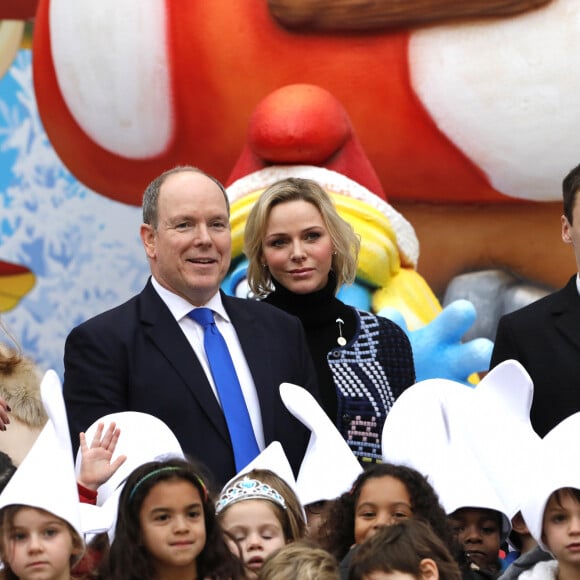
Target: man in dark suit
545 335
148 355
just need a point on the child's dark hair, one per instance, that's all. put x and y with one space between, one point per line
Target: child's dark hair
401 548
129 560
559 494
337 530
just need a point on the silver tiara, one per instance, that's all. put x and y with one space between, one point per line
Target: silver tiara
248 489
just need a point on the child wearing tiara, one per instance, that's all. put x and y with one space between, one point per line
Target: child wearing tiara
166 528
257 518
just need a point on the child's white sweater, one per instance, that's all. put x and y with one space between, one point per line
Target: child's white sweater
541 571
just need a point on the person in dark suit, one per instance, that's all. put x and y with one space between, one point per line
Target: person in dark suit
148 355
545 335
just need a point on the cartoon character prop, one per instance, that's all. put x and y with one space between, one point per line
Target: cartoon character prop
306 124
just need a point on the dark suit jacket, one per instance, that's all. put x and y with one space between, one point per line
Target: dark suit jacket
135 357
545 338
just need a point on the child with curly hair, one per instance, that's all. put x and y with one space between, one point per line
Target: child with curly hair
382 495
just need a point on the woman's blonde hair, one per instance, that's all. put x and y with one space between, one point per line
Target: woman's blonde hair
345 241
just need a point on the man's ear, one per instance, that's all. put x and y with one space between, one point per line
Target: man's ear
148 238
428 569
566 227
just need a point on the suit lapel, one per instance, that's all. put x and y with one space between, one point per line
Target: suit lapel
166 335
254 344
566 310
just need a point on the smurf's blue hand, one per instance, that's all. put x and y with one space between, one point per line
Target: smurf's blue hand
437 347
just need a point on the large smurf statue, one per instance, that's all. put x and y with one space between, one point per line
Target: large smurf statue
303 131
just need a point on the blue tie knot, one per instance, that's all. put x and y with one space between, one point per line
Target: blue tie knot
203 316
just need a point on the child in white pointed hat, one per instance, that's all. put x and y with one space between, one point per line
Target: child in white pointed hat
456 436
259 513
478 517
382 495
551 505
40 532
272 467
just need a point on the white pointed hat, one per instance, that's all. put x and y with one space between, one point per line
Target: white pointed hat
550 471
416 432
462 482
329 467
499 431
428 429
274 459
143 438
46 477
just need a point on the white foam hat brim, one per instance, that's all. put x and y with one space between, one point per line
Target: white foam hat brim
551 471
329 467
143 438
46 477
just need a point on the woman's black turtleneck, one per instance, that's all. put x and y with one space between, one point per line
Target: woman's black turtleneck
318 312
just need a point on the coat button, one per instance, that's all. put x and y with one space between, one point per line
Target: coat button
346 418
335 354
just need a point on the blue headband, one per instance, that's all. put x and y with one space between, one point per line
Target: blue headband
161 470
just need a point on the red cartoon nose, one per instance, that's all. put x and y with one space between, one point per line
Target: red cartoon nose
304 125
299 124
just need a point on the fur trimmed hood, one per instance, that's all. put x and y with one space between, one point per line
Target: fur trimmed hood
20 386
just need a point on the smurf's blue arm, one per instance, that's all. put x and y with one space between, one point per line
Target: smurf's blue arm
437 346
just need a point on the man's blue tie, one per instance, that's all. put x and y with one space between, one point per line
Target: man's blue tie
228 388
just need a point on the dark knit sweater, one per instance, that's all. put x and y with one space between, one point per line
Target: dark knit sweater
360 381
